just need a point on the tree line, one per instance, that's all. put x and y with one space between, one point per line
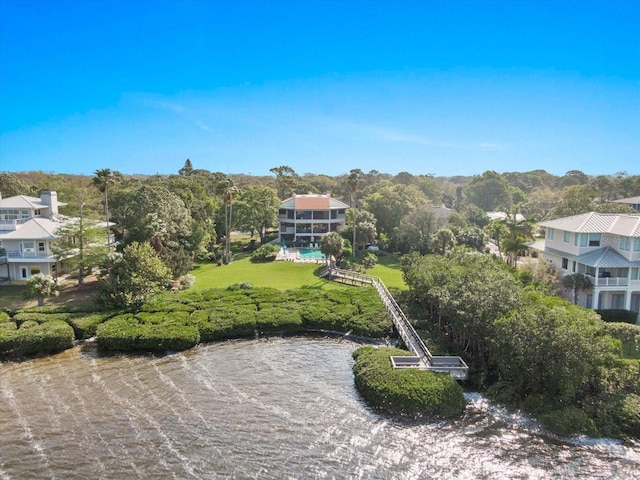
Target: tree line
189 216
527 347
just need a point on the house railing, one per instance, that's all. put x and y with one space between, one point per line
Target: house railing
11 224
16 254
609 281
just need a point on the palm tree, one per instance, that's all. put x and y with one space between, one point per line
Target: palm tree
512 246
354 180
576 282
40 286
102 179
443 240
331 245
227 191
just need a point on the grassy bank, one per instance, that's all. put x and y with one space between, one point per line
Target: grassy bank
286 275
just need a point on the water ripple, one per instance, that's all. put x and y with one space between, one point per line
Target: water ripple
276 408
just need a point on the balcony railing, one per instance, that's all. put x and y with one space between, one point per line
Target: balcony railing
16 254
609 281
11 224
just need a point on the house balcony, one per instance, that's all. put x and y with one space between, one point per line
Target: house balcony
11 225
609 281
13 256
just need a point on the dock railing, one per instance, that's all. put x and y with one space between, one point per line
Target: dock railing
454 366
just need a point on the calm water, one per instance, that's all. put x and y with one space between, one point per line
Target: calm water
277 408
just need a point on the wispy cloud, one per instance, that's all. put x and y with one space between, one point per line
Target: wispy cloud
392 135
177 108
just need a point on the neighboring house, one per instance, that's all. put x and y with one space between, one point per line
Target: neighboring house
633 202
28 228
305 219
603 246
504 216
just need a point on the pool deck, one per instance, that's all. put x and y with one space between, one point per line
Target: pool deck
293 255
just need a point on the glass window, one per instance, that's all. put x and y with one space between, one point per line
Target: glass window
636 244
625 243
550 233
584 239
635 273
594 239
567 237
617 301
565 263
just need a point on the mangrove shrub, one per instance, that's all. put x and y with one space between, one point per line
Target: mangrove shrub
410 391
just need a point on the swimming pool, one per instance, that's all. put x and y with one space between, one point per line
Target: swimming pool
310 253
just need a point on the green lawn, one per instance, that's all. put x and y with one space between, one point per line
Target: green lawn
12 296
285 275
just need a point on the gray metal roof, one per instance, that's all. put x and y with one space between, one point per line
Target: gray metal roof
605 257
33 229
625 224
22 201
631 200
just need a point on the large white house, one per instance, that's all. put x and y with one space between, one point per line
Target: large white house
28 228
305 219
603 246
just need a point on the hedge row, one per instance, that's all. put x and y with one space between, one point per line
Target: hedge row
33 338
126 332
171 320
625 316
179 320
409 391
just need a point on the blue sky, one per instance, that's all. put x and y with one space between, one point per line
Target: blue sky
441 87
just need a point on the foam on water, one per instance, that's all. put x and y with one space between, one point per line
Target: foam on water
286 408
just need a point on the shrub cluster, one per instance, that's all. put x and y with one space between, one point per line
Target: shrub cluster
175 321
31 338
625 316
265 253
176 317
150 334
410 391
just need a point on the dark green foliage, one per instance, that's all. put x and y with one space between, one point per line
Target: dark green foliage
29 324
410 391
629 336
119 333
265 253
126 332
173 336
34 338
8 325
85 325
279 318
569 421
226 322
222 314
240 286
626 316
40 317
80 307
629 415
133 278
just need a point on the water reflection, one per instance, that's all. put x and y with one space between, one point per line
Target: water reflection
282 408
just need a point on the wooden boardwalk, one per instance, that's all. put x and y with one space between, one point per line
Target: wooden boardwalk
454 366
